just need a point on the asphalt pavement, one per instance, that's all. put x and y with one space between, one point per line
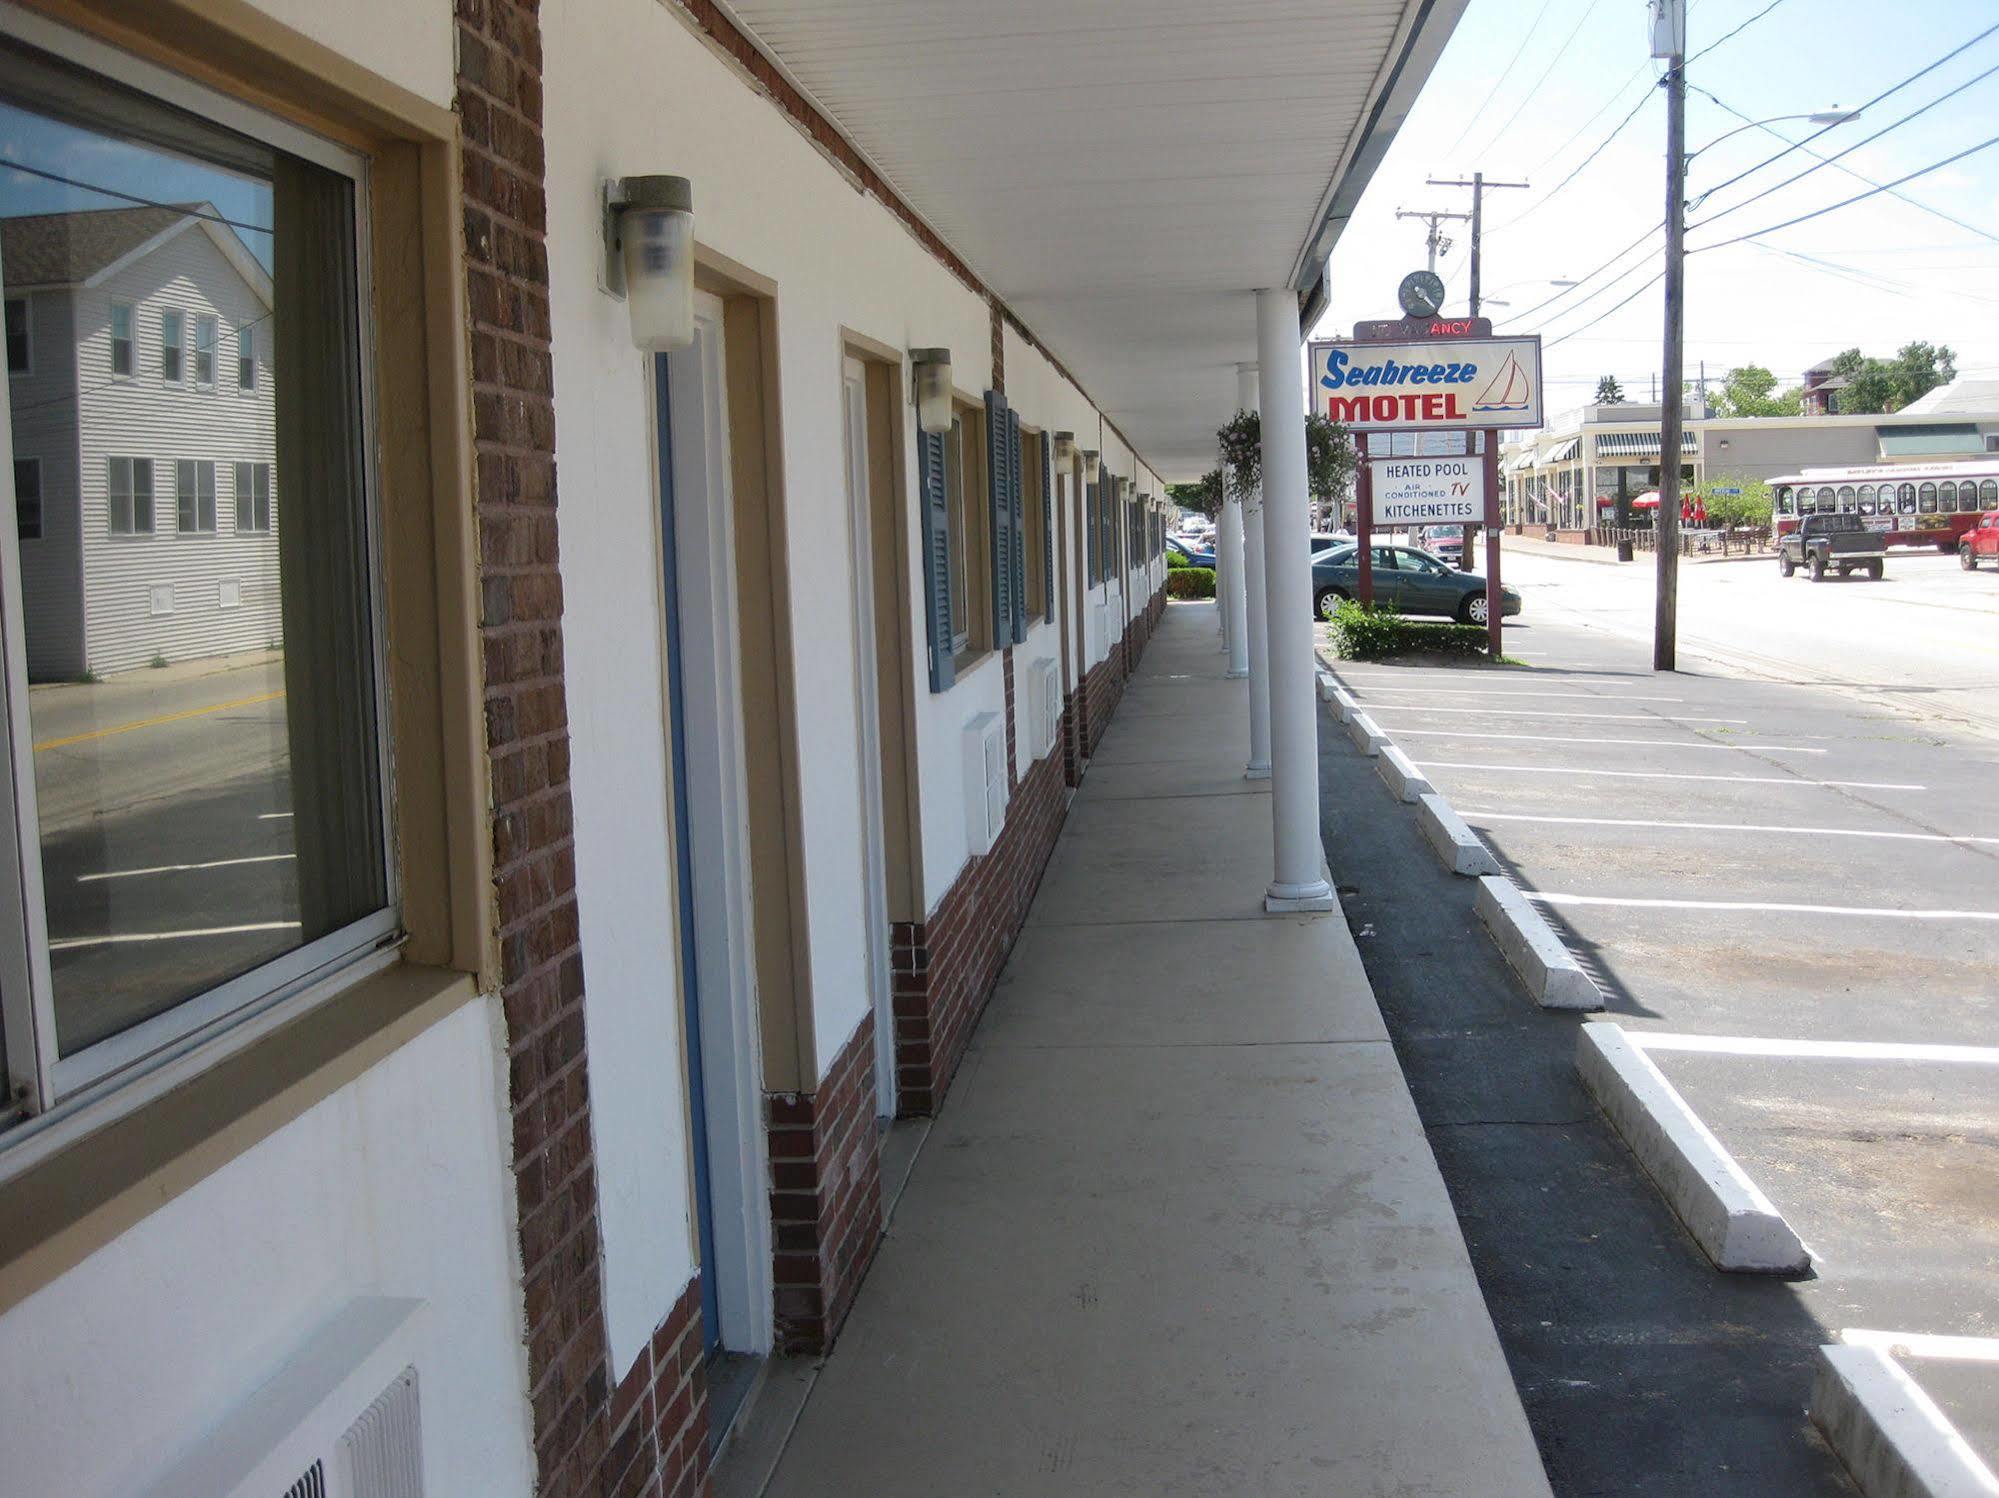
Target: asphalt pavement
1808 863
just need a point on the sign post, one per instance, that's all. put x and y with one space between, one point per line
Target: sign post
1431 375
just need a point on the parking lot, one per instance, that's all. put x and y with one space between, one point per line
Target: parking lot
1796 888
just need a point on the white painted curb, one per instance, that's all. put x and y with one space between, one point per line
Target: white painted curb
1461 849
1327 686
1344 704
1892 1437
1366 734
1554 978
1735 1224
1402 778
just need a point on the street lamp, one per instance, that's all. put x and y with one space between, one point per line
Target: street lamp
1825 118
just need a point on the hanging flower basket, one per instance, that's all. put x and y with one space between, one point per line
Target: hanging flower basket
1329 455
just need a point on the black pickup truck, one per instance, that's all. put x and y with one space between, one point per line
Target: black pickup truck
1827 543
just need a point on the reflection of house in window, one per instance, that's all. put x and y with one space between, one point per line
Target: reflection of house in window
109 446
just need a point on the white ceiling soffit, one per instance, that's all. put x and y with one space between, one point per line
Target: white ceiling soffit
1124 173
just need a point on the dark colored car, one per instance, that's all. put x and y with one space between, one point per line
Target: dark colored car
1188 554
1842 543
1414 581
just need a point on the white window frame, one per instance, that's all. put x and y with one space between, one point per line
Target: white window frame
131 494
209 329
246 356
259 496
203 509
176 319
70 1095
130 340
27 305
36 464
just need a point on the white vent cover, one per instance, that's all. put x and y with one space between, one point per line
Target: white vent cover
1044 691
985 781
381 1456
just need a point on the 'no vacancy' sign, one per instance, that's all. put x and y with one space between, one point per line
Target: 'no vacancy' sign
1421 491
1445 383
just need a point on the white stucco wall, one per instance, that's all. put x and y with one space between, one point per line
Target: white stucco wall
408 42
398 1185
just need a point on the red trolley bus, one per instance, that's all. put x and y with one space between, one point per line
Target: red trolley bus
1917 504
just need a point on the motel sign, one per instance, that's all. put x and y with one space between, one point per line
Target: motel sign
1448 384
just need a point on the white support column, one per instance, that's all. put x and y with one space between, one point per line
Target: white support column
1228 557
1287 572
1255 615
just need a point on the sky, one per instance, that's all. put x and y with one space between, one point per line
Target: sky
1526 91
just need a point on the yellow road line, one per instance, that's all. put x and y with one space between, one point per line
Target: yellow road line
193 712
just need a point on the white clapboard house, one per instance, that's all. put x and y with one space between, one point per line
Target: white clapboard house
140 383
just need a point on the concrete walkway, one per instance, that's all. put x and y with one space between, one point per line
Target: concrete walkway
1177 1229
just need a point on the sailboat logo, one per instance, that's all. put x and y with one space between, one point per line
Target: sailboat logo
1506 391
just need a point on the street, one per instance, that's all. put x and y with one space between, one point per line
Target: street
167 865
1786 884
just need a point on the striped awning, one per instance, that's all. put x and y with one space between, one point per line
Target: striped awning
1640 444
1564 451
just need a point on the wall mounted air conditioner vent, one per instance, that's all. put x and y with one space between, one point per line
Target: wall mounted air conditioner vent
1045 705
985 781
312 1485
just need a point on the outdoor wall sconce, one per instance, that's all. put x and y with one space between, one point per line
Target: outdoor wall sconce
1065 448
649 258
1090 456
932 371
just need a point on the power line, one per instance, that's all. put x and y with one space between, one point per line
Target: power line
1582 281
1824 161
1500 80
1935 166
112 192
1731 35
1616 94
1656 279
1535 87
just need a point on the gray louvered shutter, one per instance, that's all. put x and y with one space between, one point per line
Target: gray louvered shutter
999 496
936 556
1047 526
1017 522
1090 524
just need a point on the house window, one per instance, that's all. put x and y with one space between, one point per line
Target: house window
194 497
275 820
246 356
954 492
253 496
121 338
20 346
173 335
129 493
28 498
204 351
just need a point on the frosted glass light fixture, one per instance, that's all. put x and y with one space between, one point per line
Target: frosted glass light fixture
649 232
931 369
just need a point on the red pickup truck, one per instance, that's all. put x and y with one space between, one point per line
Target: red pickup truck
1981 541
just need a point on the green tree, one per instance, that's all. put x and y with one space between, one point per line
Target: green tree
1918 368
1752 391
1203 496
1609 392
1870 387
1750 507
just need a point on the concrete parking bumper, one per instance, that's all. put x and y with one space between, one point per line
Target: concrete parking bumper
1554 979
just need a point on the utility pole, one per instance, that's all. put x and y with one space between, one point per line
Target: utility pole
1669 42
1478 185
1438 244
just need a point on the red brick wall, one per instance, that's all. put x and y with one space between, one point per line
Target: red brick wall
649 1435
946 965
825 1200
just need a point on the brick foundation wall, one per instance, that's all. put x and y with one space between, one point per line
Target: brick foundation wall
946 965
825 1200
658 1417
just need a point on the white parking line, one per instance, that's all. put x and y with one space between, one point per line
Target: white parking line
1774 906
1854 785
1489 692
1530 712
1562 738
182 868
1819 1050
274 816
114 939
1924 1344
1551 678
1917 837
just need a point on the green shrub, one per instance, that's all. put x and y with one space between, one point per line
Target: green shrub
1190 582
1174 559
1373 634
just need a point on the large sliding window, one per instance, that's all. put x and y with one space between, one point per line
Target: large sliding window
178 860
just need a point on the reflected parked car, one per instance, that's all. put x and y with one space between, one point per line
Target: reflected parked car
1412 580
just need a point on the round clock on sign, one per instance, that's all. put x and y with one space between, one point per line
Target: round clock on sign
1422 293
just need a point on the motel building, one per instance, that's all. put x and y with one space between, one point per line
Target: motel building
574 567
